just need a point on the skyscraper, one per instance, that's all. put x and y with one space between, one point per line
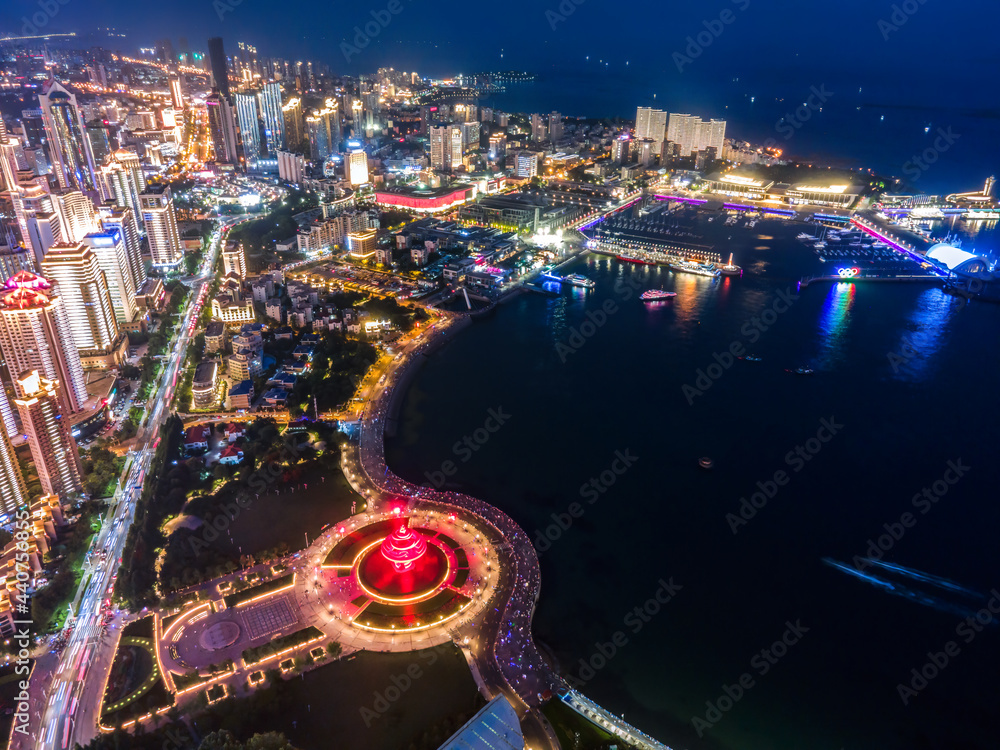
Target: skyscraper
319 126
176 97
692 134
220 68
357 167
123 221
35 334
248 119
76 215
52 447
539 130
157 207
555 127
222 127
68 147
13 491
125 179
274 117
112 256
651 124
77 277
446 147
292 113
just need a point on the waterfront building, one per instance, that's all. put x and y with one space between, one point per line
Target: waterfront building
53 449
692 134
651 124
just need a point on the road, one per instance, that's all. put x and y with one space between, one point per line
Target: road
76 681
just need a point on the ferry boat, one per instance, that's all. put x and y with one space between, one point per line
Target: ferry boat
699 269
577 280
730 269
627 258
655 295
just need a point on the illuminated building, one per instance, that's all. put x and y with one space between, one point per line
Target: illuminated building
230 306
176 97
234 261
76 275
274 117
222 128
248 119
112 256
35 334
539 130
220 68
446 147
123 220
526 164
13 260
555 127
76 214
692 134
646 152
205 386
13 491
68 147
362 244
292 113
99 138
498 147
323 138
357 167
291 167
652 124
424 199
53 449
123 179
621 150
157 209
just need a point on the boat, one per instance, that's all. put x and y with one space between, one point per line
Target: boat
655 295
577 280
730 269
635 259
705 462
700 269
751 358
802 371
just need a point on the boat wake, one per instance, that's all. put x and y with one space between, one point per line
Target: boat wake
915 585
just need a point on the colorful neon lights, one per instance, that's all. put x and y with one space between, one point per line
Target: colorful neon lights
403 548
849 273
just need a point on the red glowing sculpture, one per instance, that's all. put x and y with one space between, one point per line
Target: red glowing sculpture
403 547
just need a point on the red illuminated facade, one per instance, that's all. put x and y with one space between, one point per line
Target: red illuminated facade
430 202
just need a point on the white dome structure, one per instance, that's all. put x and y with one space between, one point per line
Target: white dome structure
958 261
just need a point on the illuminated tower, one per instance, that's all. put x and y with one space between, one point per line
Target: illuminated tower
357 167
13 491
274 117
176 98
157 207
35 334
248 118
72 160
321 137
292 113
75 272
222 127
123 220
112 256
52 447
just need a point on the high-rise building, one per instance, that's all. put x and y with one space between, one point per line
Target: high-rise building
446 147
53 449
176 97
157 207
220 67
112 256
75 273
320 128
99 138
122 179
13 260
498 147
35 334
248 119
13 491
68 147
692 134
292 113
274 117
621 150
555 127
291 167
123 221
234 260
539 130
357 167
76 215
222 128
527 164
651 124
646 152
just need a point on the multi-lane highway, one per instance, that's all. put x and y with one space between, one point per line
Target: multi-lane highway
75 682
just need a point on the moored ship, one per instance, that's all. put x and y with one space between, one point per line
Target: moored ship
655 295
730 269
